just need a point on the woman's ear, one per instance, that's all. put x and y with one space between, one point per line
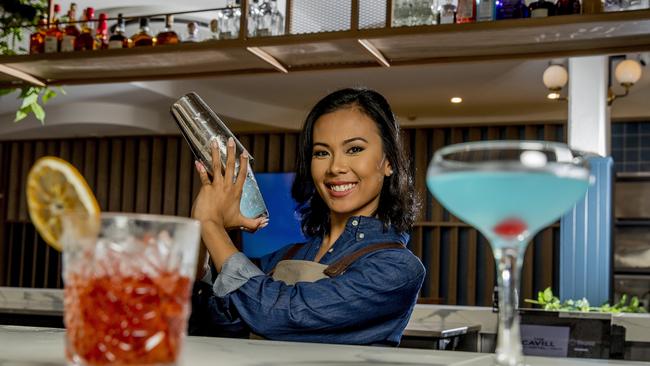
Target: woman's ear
388 169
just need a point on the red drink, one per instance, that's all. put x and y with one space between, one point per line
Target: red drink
126 320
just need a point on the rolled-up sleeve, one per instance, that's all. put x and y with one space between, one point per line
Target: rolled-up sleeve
235 272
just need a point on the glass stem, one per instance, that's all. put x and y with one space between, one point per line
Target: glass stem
509 258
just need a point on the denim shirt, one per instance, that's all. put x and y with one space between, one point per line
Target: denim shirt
370 303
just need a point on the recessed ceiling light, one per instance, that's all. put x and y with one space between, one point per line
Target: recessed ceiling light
456 100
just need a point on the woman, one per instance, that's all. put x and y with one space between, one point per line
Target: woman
353 281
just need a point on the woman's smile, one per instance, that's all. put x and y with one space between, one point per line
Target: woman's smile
340 189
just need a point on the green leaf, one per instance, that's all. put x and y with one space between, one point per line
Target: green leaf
39 113
21 114
548 294
49 94
62 91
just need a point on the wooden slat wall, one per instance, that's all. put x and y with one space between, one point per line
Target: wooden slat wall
156 175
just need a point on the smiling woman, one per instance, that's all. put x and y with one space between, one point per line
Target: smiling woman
353 281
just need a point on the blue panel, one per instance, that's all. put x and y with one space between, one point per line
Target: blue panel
284 224
586 240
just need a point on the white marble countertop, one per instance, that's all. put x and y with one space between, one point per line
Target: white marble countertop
29 346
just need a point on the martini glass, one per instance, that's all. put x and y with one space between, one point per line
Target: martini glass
508 190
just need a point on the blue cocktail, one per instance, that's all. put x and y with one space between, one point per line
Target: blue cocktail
508 190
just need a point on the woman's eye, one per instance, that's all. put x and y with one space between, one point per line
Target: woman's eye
319 154
355 150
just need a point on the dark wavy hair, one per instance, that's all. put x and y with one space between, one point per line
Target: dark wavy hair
397 203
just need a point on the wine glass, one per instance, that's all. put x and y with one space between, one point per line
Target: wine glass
508 190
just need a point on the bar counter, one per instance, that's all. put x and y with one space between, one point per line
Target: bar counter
44 347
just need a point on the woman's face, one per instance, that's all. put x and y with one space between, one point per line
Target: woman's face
348 164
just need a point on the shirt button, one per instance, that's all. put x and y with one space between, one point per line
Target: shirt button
331 250
362 235
355 222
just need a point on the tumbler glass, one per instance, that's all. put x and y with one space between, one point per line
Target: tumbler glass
128 280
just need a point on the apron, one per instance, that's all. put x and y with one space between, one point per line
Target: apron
291 271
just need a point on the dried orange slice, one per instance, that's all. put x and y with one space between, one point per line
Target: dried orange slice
54 187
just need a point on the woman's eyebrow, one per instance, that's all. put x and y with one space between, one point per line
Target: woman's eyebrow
354 139
347 141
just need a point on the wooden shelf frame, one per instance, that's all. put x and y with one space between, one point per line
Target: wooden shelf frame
553 37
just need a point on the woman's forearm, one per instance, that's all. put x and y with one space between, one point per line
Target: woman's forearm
218 243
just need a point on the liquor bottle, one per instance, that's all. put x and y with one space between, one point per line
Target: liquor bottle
541 9
167 36
485 10
277 20
466 12
86 40
254 17
567 7
101 37
143 38
434 8
511 9
265 20
192 33
214 29
53 35
118 38
447 13
37 39
71 32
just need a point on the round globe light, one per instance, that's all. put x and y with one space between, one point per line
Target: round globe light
628 72
555 77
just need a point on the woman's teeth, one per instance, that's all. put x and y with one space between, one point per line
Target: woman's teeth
343 187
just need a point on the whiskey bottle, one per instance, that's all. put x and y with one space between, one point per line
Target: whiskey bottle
86 40
143 38
71 32
37 39
541 9
118 38
466 12
101 37
167 36
53 34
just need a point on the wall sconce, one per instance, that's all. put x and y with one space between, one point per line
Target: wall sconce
627 73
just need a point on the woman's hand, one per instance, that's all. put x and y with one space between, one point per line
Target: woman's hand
218 201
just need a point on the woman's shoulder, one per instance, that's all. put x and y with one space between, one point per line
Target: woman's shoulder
397 258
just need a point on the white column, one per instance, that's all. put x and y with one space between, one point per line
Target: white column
589 123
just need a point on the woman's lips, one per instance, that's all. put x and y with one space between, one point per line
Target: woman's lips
338 190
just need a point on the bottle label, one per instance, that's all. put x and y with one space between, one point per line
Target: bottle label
51 44
115 44
67 43
447 19
539 13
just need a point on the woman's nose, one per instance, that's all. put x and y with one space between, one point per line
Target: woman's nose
338 164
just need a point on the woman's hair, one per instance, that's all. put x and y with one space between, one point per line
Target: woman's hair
397 203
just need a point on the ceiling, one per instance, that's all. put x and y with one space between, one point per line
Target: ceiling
508 91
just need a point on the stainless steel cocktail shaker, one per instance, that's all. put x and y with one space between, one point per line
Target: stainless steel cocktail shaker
200 126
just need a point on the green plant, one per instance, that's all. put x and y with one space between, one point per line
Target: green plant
16 14
548 301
